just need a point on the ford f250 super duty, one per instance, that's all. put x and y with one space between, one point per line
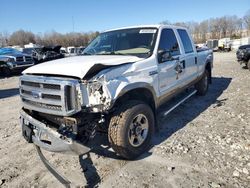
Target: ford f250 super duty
116 85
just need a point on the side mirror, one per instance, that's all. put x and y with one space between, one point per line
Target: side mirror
164 55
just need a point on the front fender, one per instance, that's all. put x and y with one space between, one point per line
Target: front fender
132 87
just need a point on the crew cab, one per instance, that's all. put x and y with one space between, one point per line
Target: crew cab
12 60
116 85
243 55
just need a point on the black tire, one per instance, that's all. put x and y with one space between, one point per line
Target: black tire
202 85
6 71
120 132
248 65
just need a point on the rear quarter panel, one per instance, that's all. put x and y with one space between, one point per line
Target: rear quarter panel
204 57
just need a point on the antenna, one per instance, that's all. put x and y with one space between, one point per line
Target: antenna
73 23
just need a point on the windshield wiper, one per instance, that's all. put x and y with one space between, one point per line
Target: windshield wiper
111 53
117 53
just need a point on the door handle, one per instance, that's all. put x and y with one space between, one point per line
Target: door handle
178 69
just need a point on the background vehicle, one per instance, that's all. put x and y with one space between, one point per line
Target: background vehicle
12 60
36 53
243 55
212 44
64 52
46 53
225 44
51 53
74 51
124 76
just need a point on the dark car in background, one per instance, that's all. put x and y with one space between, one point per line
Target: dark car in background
36 53
46 53
51 53
12 60
243 55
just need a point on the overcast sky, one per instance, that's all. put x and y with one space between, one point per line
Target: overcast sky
98 15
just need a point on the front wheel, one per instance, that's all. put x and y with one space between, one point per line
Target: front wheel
131 129
202 85
6 71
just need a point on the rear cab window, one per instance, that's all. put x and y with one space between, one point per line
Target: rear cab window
186 41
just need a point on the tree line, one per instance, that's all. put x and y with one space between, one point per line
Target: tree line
216 28
53 38
213 28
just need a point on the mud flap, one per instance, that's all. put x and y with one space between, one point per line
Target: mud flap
52 169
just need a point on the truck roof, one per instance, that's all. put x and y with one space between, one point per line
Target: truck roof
145 26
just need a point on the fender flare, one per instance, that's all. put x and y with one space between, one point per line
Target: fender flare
134 86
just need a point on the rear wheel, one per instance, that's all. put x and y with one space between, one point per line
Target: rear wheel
202 85
131 129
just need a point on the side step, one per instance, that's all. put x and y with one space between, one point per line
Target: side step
175 102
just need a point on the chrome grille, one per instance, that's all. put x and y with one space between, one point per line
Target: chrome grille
19 59
51 86
28 58
50 94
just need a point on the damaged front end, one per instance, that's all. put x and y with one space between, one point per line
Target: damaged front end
53 115
68 137
63 114
58 113
103 88
45 134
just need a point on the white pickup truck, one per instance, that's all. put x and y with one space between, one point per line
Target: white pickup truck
116 85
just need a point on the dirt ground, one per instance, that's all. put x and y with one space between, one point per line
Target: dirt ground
203 143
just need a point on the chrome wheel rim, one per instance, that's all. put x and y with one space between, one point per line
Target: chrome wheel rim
138 130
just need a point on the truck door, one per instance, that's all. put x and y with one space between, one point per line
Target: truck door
188 59
168 75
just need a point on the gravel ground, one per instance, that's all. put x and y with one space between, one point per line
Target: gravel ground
203 143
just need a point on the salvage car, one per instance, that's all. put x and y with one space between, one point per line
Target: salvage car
51 53
36 53
12 60
74 51
243 55
46 53
116 86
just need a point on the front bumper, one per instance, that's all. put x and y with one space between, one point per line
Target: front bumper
47 138
241 57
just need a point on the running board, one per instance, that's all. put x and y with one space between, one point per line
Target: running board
182 100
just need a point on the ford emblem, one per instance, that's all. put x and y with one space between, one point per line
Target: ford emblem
35 94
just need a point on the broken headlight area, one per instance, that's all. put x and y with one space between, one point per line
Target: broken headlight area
95 86
98 96
80 91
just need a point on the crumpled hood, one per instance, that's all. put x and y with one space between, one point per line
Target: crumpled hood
79 66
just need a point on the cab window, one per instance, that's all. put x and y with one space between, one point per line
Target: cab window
169 42
185 39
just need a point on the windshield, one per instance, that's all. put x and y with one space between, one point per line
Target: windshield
28 50
6 51
139 42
